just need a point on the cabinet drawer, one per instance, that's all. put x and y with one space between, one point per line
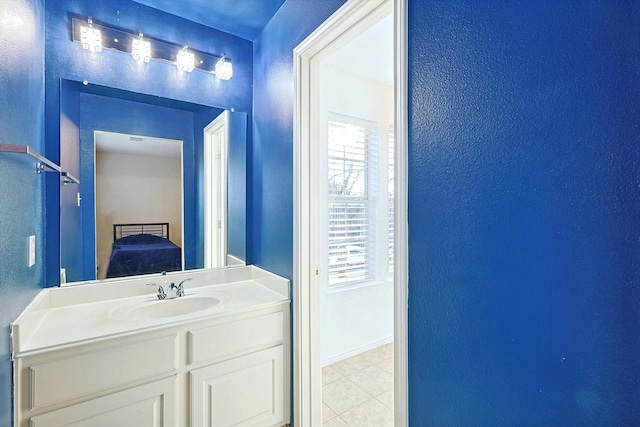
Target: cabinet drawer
235 338
66 379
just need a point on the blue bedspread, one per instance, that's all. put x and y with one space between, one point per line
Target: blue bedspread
143 254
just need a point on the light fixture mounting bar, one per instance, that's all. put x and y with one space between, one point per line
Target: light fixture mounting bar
163 51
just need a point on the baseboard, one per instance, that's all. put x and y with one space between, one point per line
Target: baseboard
357 351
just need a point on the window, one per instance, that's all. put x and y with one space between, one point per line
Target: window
353 202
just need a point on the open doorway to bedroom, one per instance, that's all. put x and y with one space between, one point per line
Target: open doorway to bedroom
138 191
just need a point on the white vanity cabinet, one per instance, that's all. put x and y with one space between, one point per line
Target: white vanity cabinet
231 368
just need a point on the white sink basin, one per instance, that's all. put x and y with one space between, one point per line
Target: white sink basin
169 308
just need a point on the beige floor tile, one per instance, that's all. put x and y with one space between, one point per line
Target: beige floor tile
370 413
342 395
373 380
378 354
335 422
327 413
386 399
329 375
351 365
386 365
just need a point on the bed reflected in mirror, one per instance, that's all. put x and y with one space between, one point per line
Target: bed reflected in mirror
144 248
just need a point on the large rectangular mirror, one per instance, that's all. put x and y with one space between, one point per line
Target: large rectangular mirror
118 142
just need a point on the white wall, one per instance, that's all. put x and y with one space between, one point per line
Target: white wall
134 189
356 319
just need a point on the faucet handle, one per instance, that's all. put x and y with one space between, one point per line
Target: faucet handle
180 288
161 294
185 280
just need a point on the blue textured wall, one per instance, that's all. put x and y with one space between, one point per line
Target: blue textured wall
244 19
200 123
271 170
237 208
237 186
524 213
70 215
21 195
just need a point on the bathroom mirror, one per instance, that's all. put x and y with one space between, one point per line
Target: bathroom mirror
89 114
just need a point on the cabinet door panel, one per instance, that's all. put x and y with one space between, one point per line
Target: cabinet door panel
150 405
245 391
240 337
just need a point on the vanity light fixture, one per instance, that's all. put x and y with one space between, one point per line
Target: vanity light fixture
97 37
90 37
224 69
185 60
141 49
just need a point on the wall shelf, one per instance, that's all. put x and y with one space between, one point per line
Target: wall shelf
42 163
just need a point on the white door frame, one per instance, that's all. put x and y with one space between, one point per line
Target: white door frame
307 374
215 191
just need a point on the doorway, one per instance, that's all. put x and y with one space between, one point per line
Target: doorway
215 191
341 258
138 183
354 231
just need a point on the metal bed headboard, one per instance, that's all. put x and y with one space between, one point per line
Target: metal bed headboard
160 229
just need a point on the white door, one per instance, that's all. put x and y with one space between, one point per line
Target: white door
215 191
246 391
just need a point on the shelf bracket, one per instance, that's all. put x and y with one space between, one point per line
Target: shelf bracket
42 163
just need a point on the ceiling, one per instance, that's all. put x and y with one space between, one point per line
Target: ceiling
137 145
369 55
242 18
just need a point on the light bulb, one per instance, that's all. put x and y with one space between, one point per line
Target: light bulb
224 69
141 49
91 38
185 60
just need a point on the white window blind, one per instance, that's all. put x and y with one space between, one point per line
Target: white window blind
352 160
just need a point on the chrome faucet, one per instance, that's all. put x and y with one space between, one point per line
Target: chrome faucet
161 294
179 290
172 292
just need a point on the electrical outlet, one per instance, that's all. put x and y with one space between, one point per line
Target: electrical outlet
32 251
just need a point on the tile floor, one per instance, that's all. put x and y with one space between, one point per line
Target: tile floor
358 391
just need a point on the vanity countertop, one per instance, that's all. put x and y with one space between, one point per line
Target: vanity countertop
71 315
